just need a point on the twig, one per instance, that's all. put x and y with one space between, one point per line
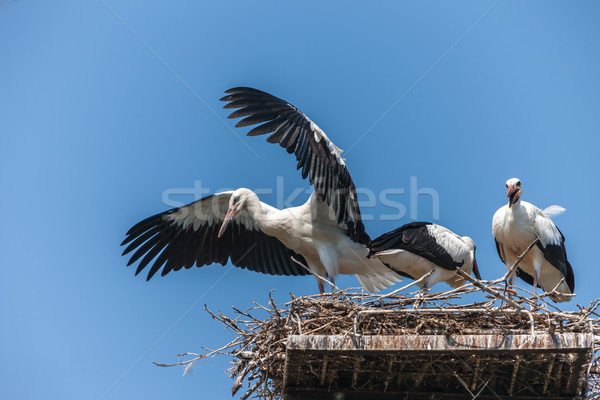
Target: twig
258 351
200 356
515 264
314 273
493 292
385 296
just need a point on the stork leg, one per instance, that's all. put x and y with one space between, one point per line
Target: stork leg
317 277
509 284
420 297
425 288
535 278
321 285
537 266
329 261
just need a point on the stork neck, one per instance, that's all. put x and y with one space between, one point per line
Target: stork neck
516 208
253 206
256 211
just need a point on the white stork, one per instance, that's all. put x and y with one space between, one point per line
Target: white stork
418 248
515 226
326 233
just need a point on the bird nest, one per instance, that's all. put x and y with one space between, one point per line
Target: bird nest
474 341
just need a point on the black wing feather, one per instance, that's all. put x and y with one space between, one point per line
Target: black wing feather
294 132
499 250
557 256
172 247
526 277
415 238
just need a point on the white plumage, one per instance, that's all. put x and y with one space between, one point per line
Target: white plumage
326 233
515 226
418 248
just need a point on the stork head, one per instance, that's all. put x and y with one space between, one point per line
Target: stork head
471 244
513 185
237 202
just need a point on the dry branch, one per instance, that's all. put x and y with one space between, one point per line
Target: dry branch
259 350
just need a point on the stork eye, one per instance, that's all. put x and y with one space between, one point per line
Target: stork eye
519 183
236 199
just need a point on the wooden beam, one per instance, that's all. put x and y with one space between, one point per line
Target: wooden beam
476 372
518 365
543 343
355 372
323 370
548 377
311 394
513 378
388 377
577 370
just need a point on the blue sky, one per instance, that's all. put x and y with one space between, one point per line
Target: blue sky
106 106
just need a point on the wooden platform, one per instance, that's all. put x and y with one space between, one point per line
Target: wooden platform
500 365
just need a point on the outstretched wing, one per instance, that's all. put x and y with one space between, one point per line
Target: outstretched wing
182 237
320 160
416 237
552 244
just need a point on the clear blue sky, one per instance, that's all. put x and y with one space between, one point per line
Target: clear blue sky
103 111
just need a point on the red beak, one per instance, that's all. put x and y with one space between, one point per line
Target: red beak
231 213
512 195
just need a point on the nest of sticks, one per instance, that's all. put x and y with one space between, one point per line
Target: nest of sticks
258 351
477 308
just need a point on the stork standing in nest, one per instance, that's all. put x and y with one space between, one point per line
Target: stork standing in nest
326 233
419 248
515 226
